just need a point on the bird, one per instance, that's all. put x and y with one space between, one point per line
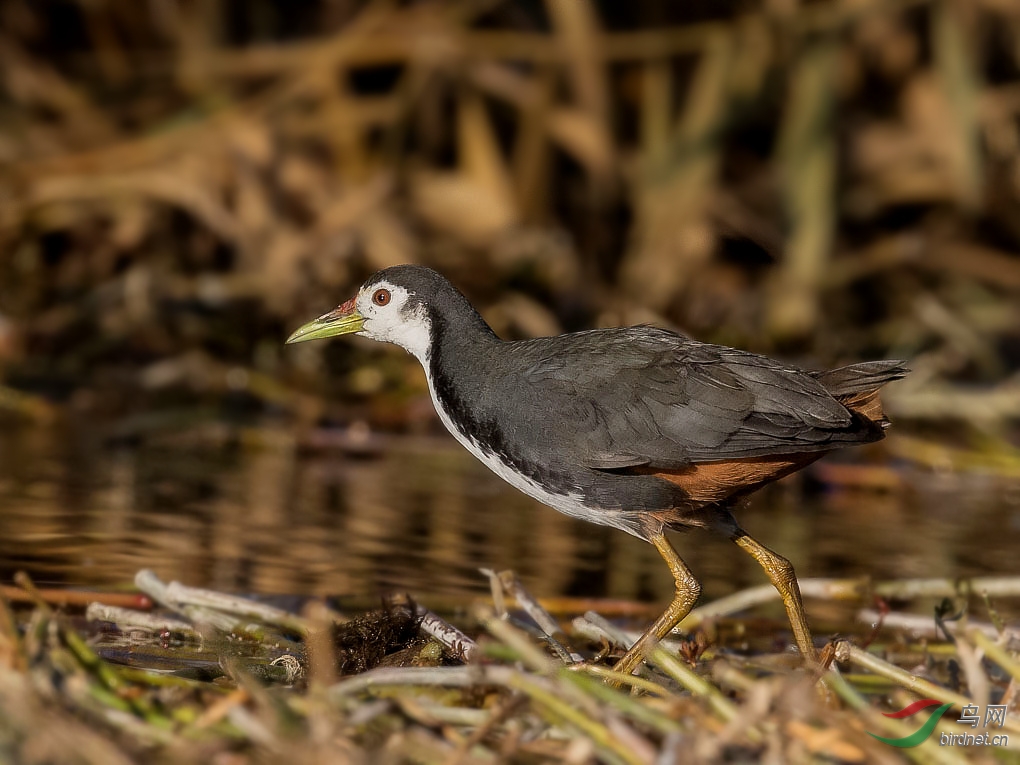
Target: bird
638 428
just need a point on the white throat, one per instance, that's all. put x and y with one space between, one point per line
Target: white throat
413 334
400 321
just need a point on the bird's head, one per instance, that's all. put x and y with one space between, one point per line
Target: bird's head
393 306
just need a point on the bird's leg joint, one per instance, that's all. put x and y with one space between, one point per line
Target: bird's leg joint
688 588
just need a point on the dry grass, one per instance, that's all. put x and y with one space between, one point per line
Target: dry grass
405 694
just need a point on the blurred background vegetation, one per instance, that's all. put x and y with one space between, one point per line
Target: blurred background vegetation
184 182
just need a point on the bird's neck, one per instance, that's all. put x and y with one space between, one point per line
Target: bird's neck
458 365
458 341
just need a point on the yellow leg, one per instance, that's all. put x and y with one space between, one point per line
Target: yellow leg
687 590
784 579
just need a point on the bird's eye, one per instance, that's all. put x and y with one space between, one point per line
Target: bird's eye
381 297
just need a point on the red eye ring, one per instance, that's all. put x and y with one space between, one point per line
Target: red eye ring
381 297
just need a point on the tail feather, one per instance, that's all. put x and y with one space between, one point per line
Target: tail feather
856 386
861 378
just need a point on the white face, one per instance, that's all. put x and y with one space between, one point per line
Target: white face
389 318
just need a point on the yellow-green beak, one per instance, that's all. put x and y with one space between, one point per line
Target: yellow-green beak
345 320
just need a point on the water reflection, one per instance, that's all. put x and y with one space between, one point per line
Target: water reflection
250 511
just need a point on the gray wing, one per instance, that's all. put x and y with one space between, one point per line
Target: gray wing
647 397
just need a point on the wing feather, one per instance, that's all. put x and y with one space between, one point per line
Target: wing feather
647 397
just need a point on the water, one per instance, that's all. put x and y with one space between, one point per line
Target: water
257 511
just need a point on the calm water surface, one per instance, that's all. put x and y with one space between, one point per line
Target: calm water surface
252 511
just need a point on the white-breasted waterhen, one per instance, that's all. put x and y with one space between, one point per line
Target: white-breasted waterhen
636 428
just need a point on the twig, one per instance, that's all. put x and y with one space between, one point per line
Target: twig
907 589
131 619
496 590
57 597
216 608
451 638
553 634
234 604
924 626
596 627
822 589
